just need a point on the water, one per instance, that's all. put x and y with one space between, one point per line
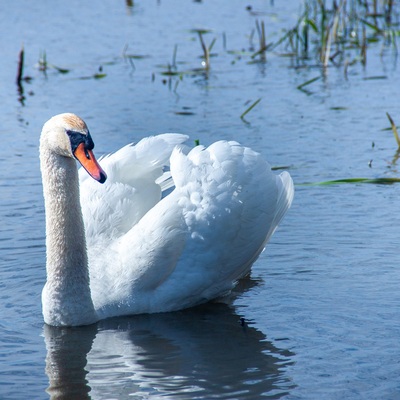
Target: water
319 317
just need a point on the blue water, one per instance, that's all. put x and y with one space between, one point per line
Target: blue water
319 317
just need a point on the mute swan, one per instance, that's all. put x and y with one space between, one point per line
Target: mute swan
150 240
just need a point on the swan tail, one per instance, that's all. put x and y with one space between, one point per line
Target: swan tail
284 200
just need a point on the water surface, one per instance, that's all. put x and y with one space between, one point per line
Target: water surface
319 317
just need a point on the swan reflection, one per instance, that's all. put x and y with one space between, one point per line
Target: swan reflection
204 352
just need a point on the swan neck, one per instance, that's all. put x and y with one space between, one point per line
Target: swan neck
66 296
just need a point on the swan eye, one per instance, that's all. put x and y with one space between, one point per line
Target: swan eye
76 138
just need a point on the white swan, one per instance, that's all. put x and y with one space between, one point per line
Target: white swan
127 247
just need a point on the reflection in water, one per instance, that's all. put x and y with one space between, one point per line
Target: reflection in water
199 353
67 350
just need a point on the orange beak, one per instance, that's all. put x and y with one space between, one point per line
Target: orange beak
89 162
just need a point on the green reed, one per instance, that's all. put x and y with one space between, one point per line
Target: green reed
339 32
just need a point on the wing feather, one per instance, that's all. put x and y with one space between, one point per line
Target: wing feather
136 178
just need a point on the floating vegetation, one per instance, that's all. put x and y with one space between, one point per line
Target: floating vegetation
98 75
170 72
131 57
171 69
380 181
280 167
43 65
394 129
378 77
184 113
94 76
250 108
127 55
300 87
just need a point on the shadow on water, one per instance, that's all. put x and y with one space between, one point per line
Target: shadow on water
206 352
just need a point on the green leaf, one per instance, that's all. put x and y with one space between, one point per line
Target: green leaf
374 27
250 108
60 70
394 129
201 31
308 82
381 181
184 113
312 24
99 76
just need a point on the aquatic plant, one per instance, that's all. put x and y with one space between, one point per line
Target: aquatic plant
21 78
44 65
171 69
263 47
379 181
340 34
20 72
249 108
206 49
394 129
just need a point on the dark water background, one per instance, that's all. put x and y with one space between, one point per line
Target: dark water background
319 317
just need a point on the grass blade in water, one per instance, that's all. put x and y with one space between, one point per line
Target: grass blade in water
308 82
394 129
381 181
250 108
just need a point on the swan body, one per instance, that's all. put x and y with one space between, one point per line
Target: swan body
169 228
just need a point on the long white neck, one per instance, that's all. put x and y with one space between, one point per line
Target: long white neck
66 297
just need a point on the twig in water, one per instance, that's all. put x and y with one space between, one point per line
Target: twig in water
261 35
20 72
364 48
174 56
206 52
20 76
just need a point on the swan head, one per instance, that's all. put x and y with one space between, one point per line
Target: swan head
68 135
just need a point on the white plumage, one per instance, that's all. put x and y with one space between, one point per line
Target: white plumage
149 252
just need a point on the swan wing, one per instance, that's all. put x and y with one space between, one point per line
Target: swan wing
195 243
231 203
136 179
